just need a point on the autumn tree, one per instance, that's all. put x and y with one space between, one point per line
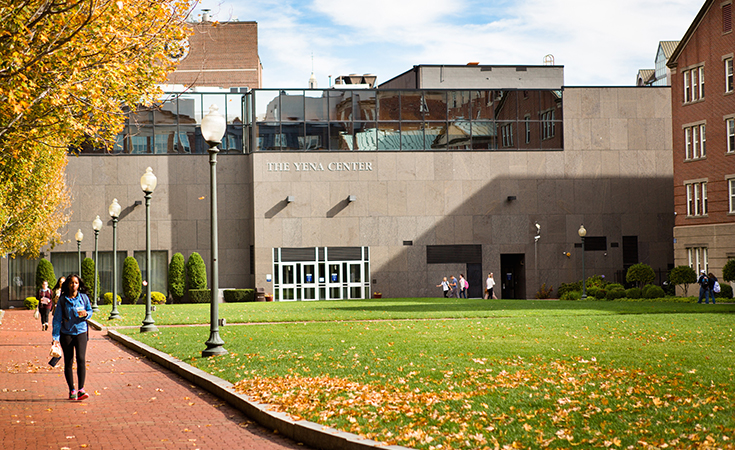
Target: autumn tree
67 70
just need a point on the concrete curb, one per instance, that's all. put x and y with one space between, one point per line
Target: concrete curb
310 433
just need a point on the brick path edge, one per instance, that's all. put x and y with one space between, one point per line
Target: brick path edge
310 433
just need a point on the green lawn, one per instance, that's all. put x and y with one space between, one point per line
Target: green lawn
473 373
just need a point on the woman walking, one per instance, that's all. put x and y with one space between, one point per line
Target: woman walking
44 304
70 330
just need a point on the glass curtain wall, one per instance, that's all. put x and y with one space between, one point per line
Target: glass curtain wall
159 270
402 120
22 276
65 263
105 272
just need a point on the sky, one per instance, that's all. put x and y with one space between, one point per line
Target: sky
599 43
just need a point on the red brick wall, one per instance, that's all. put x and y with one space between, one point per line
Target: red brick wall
223 55
707 46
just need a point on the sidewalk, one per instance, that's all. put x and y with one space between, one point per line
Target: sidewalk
133 404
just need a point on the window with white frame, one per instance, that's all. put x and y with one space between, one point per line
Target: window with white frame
507 134
693 84
527 120
547 124
728 75
696 199
730 127
731 194
695 145
698 258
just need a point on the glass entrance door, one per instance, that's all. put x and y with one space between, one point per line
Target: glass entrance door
288 281
354 280
334 282
309 285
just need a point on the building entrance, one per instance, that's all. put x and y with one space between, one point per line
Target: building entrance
321 273
512 278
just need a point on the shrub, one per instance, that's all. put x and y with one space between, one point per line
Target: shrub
601 294
132 281
158 298
177 277
31 302
45 271
640 273
725 291
653 291
568 287
199 295
571 295
612 286
728 270
88 276
239 295
596 281
683 275
196 272
633 293
544 292
592 291
615 293
107 299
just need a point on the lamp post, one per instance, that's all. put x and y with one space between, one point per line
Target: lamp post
148 183
114 211
79 236
213 128
96 226
582 233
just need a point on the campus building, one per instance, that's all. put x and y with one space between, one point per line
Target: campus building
346 192
703 122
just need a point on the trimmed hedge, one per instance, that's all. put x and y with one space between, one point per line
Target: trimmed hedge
107 299
615 293
199 295
196 272
725 291
132 280
31 302
158 298
653 291
45 271
177 277
88 276
633 293
239 295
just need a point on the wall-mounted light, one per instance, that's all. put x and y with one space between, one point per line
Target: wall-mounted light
351 198
290 199
511 198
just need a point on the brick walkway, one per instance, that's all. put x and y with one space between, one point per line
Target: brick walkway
133 404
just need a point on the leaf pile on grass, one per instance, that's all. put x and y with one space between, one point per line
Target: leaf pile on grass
548 403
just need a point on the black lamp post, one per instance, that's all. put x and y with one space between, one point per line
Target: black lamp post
148 183
96 226
582 233
114 211
213 128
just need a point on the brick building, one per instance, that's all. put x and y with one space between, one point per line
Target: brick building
703 123
219 54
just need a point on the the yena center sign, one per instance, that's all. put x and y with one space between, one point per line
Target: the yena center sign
334 166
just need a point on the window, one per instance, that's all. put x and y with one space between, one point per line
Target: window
728 75
547 124
698 258
731 194
730 135
528 128
695 142
696 199
507 133
693 84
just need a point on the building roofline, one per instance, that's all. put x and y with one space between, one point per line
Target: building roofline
672 63
418 66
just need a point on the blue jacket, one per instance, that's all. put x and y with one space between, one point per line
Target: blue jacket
68 321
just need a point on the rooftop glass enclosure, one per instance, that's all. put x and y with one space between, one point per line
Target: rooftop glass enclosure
349 120
402 120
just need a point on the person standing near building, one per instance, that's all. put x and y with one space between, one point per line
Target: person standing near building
445 287
489 284
462 286
711 280
71 331
44 304
703 283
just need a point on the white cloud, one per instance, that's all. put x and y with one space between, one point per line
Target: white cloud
599 43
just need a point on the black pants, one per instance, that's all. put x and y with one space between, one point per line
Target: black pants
69 344
44 315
